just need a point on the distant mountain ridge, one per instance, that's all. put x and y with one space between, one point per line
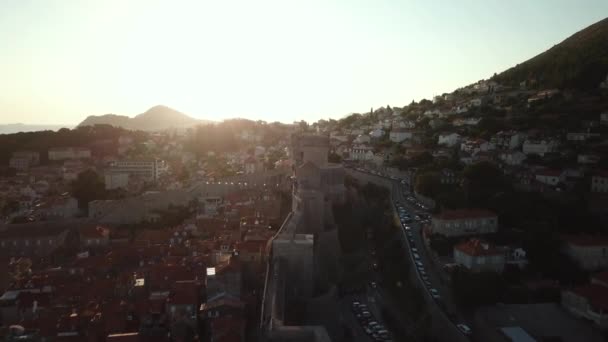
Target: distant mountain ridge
19 127
578 62
156 118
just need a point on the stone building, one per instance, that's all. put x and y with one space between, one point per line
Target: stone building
464 222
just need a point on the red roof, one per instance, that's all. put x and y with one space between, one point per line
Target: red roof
476 247
462 214
586 240
185 293
251 246
96 232
597 295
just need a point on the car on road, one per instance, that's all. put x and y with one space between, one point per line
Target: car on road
355 305
433 291
414 249
464 328
419 264
366 314
373 284
367 330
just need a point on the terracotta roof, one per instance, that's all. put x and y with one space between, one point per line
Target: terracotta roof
476 247
185 293
251 246
586 240
462 214
96 232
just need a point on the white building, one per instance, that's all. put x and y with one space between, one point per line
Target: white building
591 252
19 163
512 158
508 140
63 153
362 152
539 147
148 170
466 122
464 222
400 134
479 256
376 133
475 102
448 139
549 177
22 160
604 118
599 181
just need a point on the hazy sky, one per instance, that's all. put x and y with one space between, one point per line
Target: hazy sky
61 60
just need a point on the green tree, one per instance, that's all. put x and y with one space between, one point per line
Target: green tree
428 184
483 181
88 187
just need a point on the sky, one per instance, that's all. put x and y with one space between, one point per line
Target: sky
280 60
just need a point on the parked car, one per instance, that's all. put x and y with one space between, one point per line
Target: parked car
464 328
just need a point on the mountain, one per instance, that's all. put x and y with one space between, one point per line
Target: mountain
19 127
579 62
154 119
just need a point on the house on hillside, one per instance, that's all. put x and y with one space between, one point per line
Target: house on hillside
448 139
400 134
589 301
539 147
599 181
480 256
464 222
591 252
512 158
549 176
508 140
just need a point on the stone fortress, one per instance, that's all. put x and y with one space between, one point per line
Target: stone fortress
303 262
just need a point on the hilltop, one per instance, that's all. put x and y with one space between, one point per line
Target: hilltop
154 119
578 62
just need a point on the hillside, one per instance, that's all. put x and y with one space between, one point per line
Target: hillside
579 62
154 119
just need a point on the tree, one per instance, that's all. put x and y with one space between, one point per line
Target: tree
88 187
334 158
483 181
428 184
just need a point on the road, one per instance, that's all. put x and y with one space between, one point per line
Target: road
444 305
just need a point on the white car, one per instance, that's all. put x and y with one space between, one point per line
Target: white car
464 328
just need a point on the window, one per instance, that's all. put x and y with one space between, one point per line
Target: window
27 242
38 242
50 241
